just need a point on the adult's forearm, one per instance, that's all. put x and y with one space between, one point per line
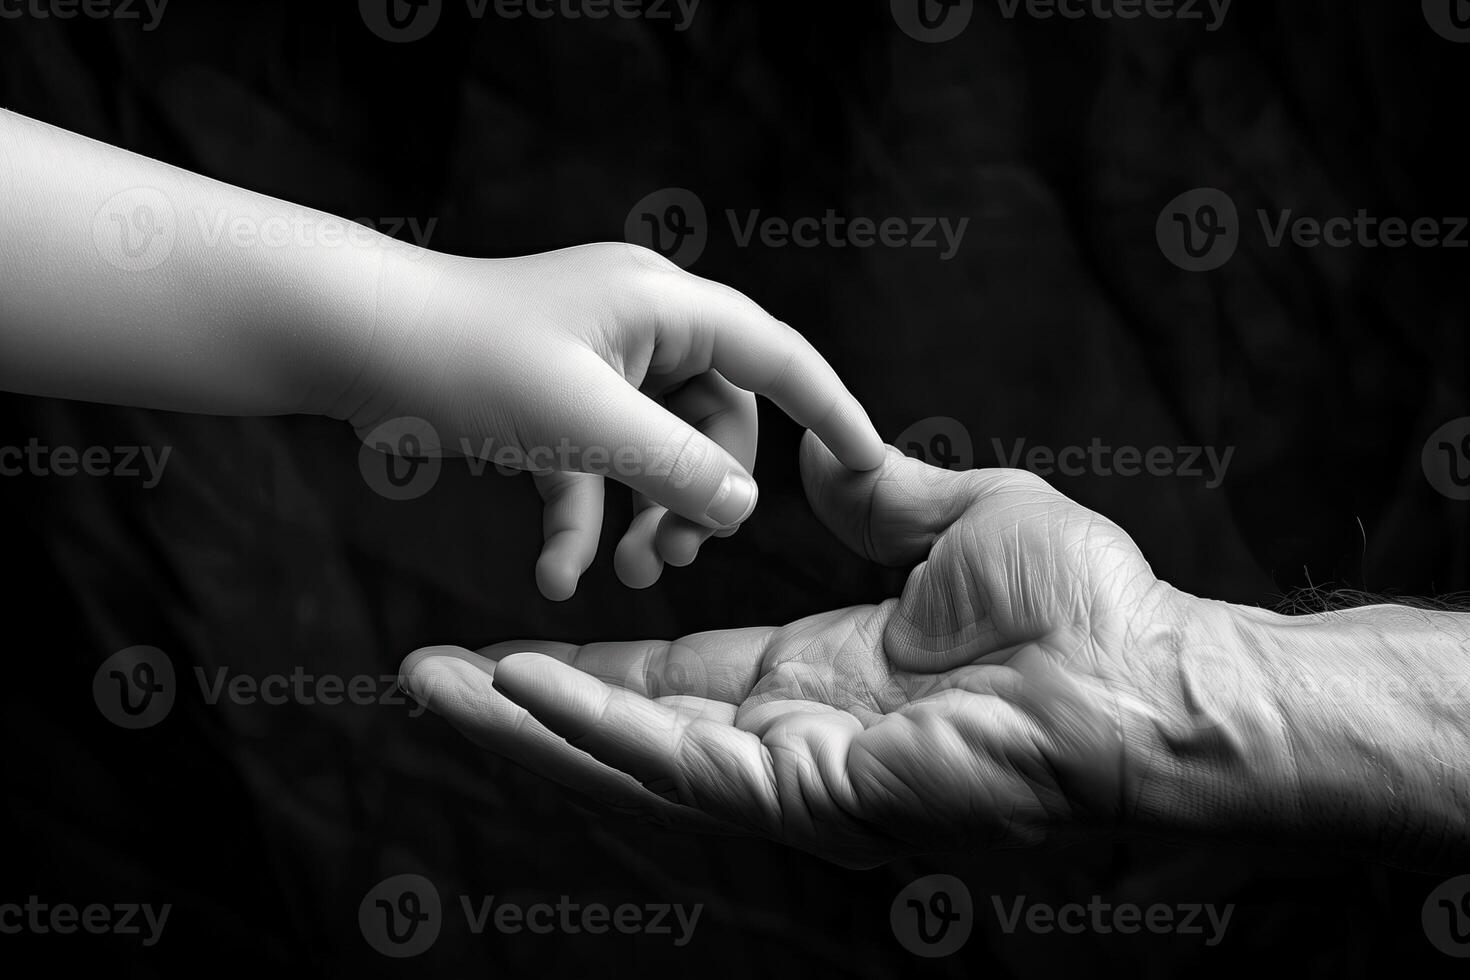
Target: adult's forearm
1347 731
1375 704
128 281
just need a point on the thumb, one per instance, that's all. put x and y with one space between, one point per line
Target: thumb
618 431
891 514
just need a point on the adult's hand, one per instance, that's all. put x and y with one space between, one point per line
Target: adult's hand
1033 682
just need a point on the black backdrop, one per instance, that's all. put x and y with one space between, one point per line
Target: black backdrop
1059 320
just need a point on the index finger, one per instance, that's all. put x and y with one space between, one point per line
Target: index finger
760 353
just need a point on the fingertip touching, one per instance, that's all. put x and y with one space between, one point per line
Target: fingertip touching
759 353
852 437
556 577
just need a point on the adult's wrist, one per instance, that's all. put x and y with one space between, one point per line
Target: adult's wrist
1207 755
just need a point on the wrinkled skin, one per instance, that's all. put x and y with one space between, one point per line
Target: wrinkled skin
1014 692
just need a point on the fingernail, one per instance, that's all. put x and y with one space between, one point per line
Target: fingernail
734 501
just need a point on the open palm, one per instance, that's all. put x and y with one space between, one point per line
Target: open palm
984 705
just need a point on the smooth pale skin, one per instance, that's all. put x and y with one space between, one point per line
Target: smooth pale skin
1034 682
598 361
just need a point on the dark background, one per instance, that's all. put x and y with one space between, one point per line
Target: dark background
1059 320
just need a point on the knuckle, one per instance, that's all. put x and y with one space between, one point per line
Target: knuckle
685 459
793 341
787 367
645 259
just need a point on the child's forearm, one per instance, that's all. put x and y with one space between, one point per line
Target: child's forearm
128 281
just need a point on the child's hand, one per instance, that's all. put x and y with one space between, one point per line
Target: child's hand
129 282
601 360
